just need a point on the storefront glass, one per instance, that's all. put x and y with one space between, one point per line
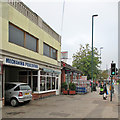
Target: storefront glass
48 81
56 83
42 83
67 77
53 83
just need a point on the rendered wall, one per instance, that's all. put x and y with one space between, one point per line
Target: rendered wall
12 15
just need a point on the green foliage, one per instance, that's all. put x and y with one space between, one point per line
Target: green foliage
72 86
82 61
64 85
104 74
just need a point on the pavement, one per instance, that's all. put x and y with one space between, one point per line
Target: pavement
90 105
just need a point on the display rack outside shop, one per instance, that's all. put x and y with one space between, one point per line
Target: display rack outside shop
82 86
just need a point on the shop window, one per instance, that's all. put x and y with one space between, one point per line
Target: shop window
35 72
35 84
48 83
49 51
57 83
23 78
29 72
29 81
22 38
42 83
43 73
53 83
23 73
9 86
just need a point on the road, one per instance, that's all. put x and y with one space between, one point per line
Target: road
90 105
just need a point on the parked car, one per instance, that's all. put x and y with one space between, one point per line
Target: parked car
16 93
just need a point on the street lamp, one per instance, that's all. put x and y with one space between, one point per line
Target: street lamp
92 50
100 63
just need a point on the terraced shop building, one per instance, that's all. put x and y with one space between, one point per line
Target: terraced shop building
30 50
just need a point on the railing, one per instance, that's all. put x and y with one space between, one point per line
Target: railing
22 8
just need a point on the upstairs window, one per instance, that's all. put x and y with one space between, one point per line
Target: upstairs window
49 51
16 35
22 38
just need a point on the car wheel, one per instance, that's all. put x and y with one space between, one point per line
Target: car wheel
14 102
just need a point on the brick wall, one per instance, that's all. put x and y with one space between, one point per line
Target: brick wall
42 95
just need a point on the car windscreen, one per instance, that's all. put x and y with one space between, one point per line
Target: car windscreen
24 87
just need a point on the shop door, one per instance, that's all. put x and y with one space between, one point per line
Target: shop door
35 86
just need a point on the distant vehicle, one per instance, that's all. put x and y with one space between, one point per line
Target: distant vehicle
16 93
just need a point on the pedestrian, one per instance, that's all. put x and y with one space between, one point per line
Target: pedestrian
112 88
105 92
101 89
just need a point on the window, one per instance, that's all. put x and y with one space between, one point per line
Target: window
49 51
57 83
53 83
48 83
42 83
46 50
22 38
54 54
17 88
24 87
31 42
16 35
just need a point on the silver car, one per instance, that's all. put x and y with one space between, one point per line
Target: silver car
17 93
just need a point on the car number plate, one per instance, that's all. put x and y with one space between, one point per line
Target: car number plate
26 93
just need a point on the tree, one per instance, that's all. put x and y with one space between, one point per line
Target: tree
82 61
104 74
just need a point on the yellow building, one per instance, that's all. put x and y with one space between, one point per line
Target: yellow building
30 50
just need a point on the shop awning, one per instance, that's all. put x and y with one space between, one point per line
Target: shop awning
51 71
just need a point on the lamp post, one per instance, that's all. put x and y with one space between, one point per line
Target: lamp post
100 63
92 51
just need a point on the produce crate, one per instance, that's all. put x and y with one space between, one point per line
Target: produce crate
81 90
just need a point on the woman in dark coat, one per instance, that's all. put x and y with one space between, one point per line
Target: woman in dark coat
105 92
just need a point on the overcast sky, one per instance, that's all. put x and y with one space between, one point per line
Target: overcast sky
77 24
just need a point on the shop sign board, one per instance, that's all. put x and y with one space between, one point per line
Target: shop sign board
51 71
64 55
19 63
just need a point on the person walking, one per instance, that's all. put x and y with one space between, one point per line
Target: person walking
105 92
101 89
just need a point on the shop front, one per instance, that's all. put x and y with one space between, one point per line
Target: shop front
43 81
69 73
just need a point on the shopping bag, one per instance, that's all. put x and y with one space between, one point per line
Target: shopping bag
107 92
104 94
